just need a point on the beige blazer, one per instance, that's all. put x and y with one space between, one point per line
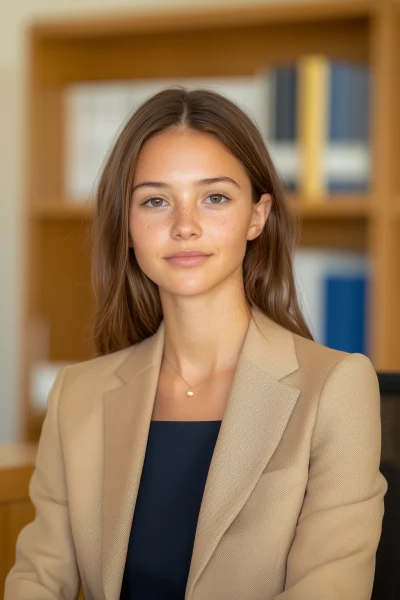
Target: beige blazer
293 503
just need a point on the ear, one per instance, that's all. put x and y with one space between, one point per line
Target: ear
259 217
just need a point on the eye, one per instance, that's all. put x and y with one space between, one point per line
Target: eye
213 196
151 199
216 196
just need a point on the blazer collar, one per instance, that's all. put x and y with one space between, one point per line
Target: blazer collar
258 410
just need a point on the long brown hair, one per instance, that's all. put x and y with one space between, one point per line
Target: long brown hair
128 305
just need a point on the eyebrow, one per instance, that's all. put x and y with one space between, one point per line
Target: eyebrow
207 181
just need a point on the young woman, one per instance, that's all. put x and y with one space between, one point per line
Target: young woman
212 450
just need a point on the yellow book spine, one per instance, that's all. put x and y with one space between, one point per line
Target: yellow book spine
313 113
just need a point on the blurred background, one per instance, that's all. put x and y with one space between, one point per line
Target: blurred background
318 79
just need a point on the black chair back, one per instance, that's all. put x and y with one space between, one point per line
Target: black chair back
387 569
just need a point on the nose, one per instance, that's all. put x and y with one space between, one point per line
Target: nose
185 222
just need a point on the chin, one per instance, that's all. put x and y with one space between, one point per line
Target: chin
186 290
190 287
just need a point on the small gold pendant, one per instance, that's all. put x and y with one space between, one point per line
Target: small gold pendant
189 392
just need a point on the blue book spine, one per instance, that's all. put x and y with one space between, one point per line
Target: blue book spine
285 103
347 187
349 102
284 129
349 127
345 313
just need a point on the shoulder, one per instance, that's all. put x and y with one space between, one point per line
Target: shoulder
320 364
80 387
94 373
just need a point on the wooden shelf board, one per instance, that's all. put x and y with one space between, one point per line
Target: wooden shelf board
62 210
143 21
213 51
332 207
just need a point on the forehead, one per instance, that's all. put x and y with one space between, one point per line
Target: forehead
186 154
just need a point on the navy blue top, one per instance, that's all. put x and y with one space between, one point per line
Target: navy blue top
174 475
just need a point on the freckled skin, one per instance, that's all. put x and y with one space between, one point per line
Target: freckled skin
186 218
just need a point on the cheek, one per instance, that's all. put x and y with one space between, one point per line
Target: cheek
144 232
229 232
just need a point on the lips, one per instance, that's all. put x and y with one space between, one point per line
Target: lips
188 261
188 253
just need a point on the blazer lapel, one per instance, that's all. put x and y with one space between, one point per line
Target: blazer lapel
257 413
127 415
258 410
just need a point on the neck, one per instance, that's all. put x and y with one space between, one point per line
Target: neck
203 341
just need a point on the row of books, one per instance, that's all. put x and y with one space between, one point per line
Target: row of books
333 294
313 114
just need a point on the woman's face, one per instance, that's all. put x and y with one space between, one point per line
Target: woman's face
175 210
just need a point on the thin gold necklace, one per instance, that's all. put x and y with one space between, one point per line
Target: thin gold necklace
190 391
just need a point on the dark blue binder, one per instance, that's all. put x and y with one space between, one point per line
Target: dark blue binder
345 313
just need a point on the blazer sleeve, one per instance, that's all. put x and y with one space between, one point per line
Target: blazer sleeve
333 553
45 565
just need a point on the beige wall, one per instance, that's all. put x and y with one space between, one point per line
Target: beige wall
14 16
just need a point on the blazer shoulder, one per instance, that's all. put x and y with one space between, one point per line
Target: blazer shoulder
316 359
98 368
84 383
312 350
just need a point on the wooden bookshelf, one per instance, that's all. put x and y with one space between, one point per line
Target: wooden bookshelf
17 462
16 510
202 43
